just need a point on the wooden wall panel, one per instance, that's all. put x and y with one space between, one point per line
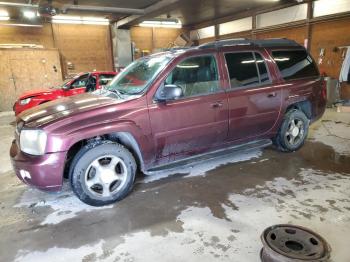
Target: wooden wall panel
27 69
246 34
142 37
88 47
298 34
153 39
206 40
330 35
165 37
27 35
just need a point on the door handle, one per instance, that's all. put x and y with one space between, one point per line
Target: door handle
272 94
217 104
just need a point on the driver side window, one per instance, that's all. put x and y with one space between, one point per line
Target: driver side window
80 81
196 76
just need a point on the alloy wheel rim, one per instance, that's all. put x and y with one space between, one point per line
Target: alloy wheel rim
105 176
295 131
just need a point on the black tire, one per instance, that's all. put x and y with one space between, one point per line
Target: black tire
84 159
283 139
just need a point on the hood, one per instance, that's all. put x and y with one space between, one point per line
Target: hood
63 108
38 92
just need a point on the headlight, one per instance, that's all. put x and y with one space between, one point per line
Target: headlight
25 101
33 141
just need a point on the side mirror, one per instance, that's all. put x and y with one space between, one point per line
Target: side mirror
168 92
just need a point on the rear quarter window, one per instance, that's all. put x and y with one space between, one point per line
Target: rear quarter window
295 64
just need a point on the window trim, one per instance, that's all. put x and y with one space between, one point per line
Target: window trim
294 49
220 90
257 68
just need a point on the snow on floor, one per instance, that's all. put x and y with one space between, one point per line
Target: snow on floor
65 204
317 200
201 168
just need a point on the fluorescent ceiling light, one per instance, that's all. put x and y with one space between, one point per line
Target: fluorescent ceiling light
65 19
248 61
281 59
24 25
29 14
4 13
251 61
161 23
187 66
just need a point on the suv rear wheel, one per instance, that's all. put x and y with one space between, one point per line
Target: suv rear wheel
102 173
293 131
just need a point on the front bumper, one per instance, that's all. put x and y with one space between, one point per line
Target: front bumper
43 172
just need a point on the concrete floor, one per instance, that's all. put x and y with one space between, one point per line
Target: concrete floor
212 211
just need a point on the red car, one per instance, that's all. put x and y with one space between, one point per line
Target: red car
81 83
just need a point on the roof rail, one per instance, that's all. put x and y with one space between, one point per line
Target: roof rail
257 42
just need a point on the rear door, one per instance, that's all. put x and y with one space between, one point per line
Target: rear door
254 99
199 119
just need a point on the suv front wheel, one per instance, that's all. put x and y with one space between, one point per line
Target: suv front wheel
293 131
102 173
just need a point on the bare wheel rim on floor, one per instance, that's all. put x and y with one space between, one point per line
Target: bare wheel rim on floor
106 176
295 131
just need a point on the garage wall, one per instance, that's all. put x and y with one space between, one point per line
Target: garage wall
27 35
330 35
153 39
26 69
87 47
298 34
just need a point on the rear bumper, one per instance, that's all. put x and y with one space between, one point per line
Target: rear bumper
43 172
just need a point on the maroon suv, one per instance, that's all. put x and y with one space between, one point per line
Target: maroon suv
166 109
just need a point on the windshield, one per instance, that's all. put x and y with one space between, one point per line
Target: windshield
135 78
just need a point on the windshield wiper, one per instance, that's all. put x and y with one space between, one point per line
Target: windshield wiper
114 91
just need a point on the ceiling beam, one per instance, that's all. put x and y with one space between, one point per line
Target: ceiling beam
149 12
107 9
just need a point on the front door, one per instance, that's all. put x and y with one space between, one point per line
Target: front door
78 86
196 121
254 101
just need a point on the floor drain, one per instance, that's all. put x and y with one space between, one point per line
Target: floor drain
289 243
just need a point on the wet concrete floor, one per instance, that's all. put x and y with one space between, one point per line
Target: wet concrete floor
212 211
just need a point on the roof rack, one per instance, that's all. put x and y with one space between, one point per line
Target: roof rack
243 41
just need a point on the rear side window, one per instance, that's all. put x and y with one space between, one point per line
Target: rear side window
295 64
242 69
246 69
